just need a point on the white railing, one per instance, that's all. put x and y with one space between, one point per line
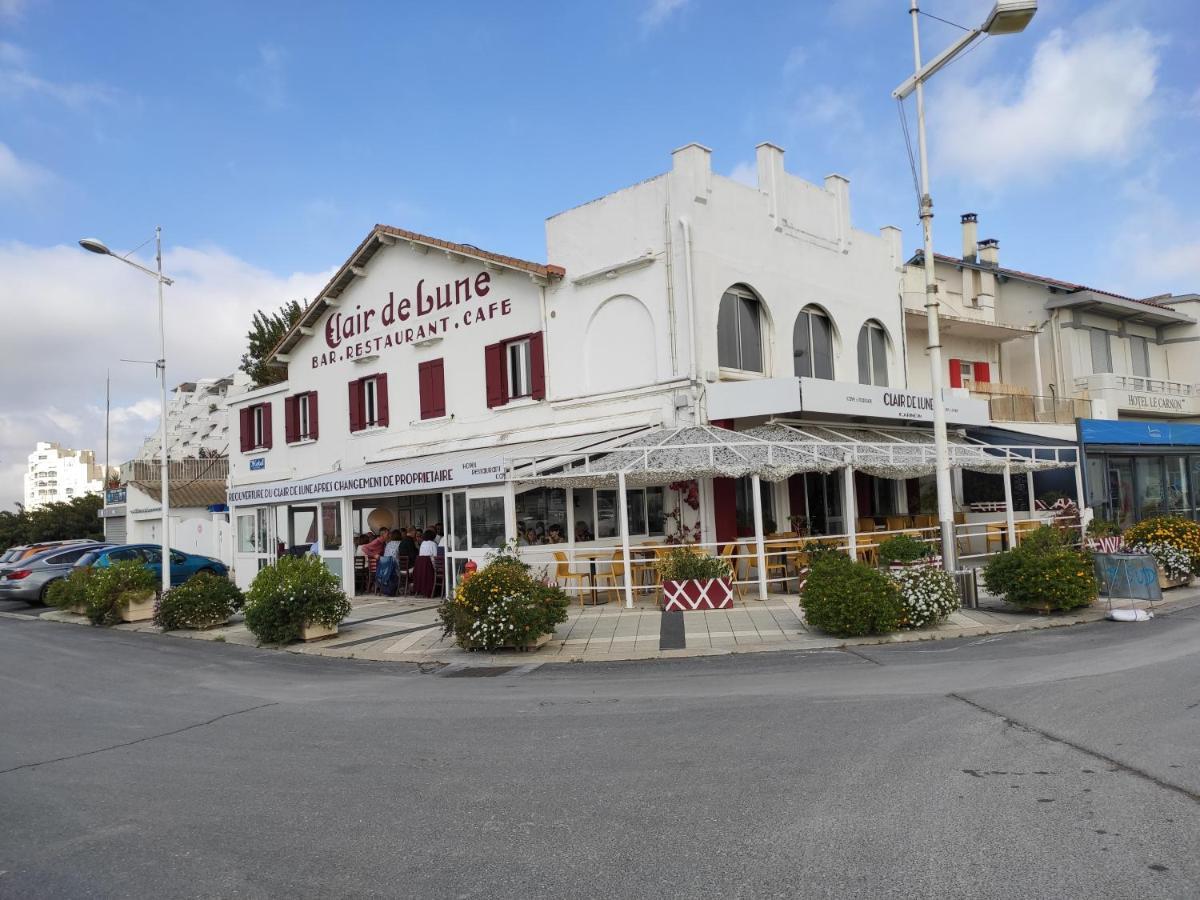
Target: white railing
145 471
1107 381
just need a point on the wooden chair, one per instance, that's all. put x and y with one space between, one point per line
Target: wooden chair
439 576
925 521
403 575
726 554
776 558
897 523
864 524
564 575
614 578
1026 527
372 565
361 574
997 533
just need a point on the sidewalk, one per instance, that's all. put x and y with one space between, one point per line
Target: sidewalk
407 630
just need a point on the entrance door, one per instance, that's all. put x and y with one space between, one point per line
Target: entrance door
824 495
454 519
1121 494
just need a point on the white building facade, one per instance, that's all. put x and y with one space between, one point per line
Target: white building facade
427 376
59 475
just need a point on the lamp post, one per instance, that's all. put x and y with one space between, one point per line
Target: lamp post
96 246
1006 17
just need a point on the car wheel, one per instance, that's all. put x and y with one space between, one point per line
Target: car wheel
42 594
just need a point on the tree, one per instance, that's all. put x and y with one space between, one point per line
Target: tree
266 331
78 518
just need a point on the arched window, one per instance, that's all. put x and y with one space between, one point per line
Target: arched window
872 354
739 331
812 344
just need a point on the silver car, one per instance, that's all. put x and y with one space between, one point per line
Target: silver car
29 579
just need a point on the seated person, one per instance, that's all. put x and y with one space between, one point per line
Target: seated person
529 537
407 548
392 548
429 545
554 535
374 549
582 532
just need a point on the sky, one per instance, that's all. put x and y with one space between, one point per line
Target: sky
267 138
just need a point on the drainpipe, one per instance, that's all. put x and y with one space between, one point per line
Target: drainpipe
670 262
1037 368
691 307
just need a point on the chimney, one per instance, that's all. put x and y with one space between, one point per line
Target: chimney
693 164
770 175
989 252
970 232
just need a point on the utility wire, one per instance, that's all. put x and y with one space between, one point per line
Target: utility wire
912 163
940 19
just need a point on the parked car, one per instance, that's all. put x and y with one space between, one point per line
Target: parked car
183 565
13 556
30 578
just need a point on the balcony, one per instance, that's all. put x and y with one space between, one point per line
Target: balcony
1016 407
192 482
1138 394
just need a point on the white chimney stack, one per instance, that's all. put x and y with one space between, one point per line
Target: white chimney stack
989 252
970 234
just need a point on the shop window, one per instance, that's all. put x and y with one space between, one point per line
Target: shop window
431 384
255 427
369 403
487 521
1139 350
812 344
514 369
300 417
744 504
1101 351
643 505
331 526
739 331
541 510
872 355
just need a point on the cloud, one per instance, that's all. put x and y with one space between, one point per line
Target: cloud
72 316
795 61
18 81
1084 99
658 11
266 80
20 178
746 172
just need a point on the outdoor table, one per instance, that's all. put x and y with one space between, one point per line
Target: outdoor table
594 555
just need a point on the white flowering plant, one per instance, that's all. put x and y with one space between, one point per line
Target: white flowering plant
295 592
928 595
502 605
1176 563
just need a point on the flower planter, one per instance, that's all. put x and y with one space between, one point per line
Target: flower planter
80 609
315 632
539 641
686 596
1165 583
138 608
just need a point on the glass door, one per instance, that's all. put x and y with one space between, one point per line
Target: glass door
1178 498
454 517
1122 508
1151 486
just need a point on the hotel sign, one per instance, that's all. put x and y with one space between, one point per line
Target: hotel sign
845 399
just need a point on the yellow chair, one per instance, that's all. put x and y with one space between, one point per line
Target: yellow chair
614 578
726 554
776 557
644 564
997 533
898 523
1026 527
864 525
564 574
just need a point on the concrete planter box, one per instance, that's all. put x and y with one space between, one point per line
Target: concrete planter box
313 632
80 609
686 596
138 609
1165 583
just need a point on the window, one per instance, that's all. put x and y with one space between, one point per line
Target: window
872 355
331 526
369 403
1140 351
67 558
812 344
540 509
965 372
515 368
255 424
246 534
739 331
431 384
643 505
744 506
300 417
1101 352
487 521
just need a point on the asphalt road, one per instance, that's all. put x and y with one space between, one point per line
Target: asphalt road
1059 764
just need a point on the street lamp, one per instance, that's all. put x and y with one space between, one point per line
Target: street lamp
1006 17
95 246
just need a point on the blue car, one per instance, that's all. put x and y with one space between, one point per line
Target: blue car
183 565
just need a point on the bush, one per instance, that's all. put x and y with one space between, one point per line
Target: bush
1043 573
1099 528
294 592
112 587
1154 535
202 601
928 595
850 599
502 605
687 564
69 592
902 549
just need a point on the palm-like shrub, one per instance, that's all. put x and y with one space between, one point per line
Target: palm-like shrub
850 599
202 601
293 593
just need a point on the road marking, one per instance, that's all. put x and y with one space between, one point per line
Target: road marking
25 616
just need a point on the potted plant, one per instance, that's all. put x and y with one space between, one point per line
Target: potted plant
904 551
693 580
298 598
1045 573
1173 541
503 606
70 594
203 601
121 592
847 598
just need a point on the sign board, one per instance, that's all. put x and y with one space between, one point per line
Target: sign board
258 464
1128 576
845 399
1112 431
114 495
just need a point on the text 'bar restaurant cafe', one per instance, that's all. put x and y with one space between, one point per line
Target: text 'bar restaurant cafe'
705 362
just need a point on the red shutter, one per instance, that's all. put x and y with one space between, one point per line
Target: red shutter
291 417
381 400
537 367
431 381
246 418
312 415
956 373
267 433
493 361
356 405
982 372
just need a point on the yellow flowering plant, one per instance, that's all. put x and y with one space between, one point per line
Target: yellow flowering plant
1044 573
1176 532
